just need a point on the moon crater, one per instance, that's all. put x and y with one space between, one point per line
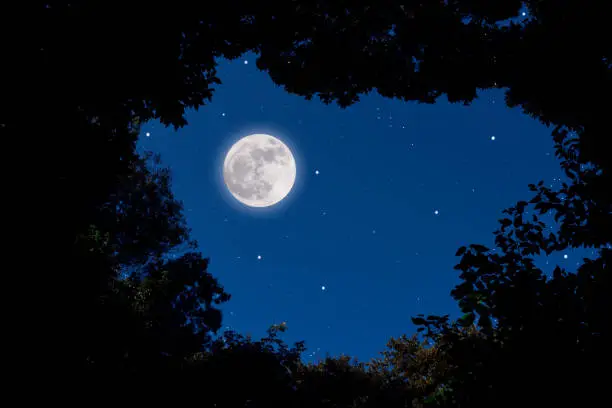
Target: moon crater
259 170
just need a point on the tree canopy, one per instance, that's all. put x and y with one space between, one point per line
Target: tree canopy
152 296
159 60
134 295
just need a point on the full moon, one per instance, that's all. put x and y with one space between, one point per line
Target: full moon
259 170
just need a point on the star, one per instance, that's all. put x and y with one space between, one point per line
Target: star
246 62
565 256
259 257
323 288
148 134
492 137
436 212
317 172
223 114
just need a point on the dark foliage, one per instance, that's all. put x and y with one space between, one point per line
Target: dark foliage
544 340
117 285
154 300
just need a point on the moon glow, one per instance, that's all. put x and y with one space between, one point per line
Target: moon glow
259 170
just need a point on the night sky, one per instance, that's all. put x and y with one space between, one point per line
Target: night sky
386 193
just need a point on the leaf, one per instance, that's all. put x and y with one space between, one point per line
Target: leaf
467 319
461 251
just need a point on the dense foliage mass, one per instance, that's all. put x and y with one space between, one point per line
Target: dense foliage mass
119 288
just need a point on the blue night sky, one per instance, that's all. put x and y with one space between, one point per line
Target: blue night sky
400 187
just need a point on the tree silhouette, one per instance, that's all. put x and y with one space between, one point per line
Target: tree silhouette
418 51
91 72
339 381
413 372
414 51
542 340
237 371
145 289
409 50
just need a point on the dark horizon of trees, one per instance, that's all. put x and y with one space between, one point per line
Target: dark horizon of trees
119 290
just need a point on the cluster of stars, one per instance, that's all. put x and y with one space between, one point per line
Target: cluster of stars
389 118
